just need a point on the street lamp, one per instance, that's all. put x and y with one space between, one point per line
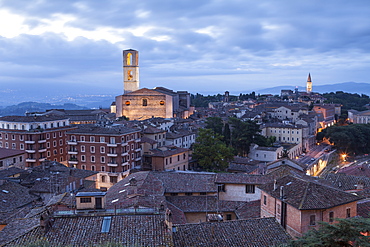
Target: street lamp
344 157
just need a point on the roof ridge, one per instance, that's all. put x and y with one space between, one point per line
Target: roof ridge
305 194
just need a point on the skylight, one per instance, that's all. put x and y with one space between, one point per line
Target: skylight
105 226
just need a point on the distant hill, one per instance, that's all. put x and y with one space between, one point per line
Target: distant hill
349 87
22 108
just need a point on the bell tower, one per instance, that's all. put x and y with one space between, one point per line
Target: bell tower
309 84
130 70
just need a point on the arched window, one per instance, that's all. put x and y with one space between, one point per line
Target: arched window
129 75
129 59
161 102
127 102
145 102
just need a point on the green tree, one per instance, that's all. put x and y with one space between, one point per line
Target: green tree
346 232
211 152
215 124
243 134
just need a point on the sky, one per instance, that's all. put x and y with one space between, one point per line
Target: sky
205 46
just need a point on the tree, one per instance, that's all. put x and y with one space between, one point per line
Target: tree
215 123
243 134
210 152
346 232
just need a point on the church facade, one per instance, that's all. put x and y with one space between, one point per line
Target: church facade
141 104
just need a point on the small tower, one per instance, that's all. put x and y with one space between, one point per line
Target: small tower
309 84
130 70
226 97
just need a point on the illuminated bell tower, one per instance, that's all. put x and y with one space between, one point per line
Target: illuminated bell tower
309 84
130 70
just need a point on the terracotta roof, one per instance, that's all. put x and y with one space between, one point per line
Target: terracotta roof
347 182
141 189
11 171
32 119
240 178
307 195
252 232
357 170
14 195
249 210
181 182
6 153
363 208
203 204
167 151
152 130
148 140
128 230
100 130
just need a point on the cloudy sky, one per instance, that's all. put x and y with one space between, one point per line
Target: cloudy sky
202 46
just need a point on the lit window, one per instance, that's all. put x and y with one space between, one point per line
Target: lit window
161 102
127 103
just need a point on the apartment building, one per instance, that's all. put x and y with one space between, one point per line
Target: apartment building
112 151
42 137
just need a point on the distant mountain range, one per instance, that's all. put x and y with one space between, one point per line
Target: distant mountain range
22 108
349 87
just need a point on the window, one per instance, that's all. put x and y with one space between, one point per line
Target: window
85 200
82 138
47 136
127 103
54 143
60 142
48 144
203 193
21 137
92 168
13 146
331 216
102 159
54 133
103 179
113 179
55 152
174 194
13 137
312 220
93 158
278 209
1 144
348 212
92 149
228 217
82 148
22 146
83 167
221 188
61 150
92 138
161 102
145 102
264 200
250 188
103 168
102 139
83 158
48 153
188 193
102 150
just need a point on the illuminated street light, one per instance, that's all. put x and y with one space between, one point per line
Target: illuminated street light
344 157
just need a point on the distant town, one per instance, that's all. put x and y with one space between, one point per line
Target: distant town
169 168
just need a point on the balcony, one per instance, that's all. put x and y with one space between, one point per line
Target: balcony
138 140
72 152
125 163
112 145
138 158
138 150
124 154
112 154
42 150
32 160
30 151
29 142
41 141
72 142
73 161
42 159
114 164
124 144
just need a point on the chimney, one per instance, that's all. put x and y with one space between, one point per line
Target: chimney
282 192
